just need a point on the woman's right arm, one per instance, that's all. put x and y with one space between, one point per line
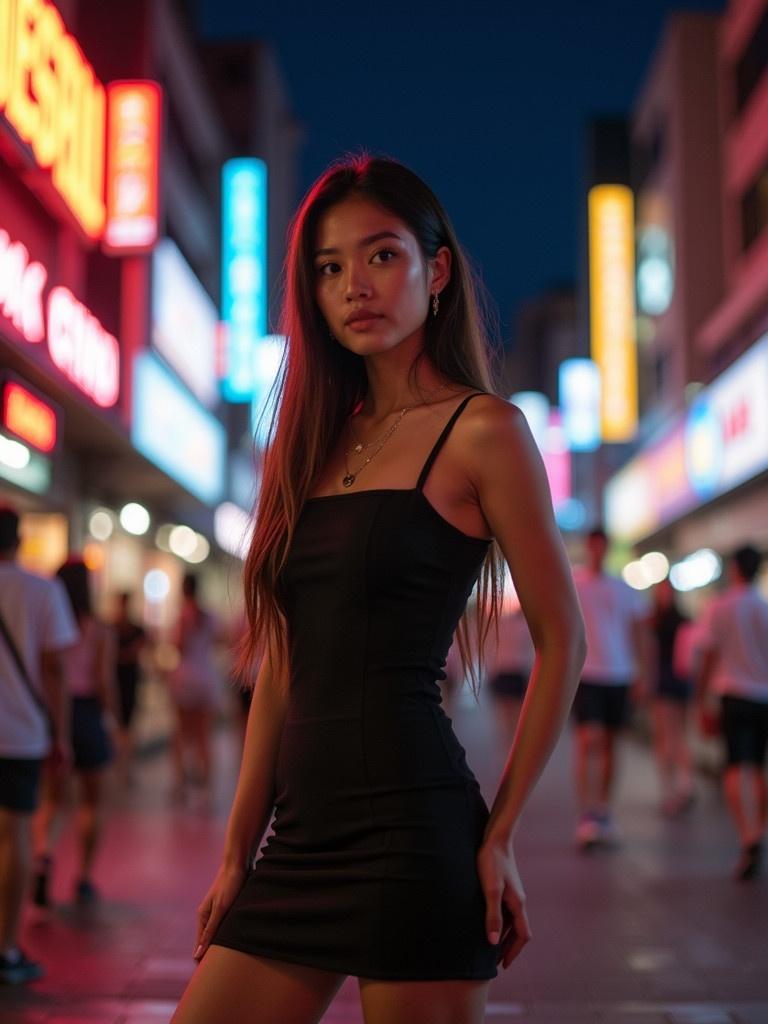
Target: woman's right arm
254 798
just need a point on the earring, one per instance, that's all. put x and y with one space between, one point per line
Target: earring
435 303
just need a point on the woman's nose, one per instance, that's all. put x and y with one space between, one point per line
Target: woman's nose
357 284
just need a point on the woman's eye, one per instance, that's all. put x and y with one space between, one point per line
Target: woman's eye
385 254
326 269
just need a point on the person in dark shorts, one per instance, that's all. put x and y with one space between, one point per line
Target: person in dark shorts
614 617
131 641
509 666
734 670
89 670
392 467
36 628
672 636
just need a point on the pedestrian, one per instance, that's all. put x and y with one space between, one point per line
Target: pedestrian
395 477
617 652
195 686
89 673
672 636
734 670
509 665
36 628
131 641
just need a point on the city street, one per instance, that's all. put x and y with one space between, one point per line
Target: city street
655 931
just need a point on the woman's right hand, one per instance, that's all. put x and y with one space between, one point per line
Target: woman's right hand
226 885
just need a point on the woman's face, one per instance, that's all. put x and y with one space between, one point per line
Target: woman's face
372 283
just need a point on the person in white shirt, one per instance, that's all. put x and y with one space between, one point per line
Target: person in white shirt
615 617
734 670
37 628
508 666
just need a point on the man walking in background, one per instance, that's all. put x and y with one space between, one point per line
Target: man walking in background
615 618
734 667
36 624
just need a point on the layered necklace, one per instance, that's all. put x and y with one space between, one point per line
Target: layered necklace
360 446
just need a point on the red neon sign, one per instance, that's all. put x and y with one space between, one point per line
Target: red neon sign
29 418
77 343
133 144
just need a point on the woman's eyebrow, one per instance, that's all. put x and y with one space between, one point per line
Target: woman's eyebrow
368 240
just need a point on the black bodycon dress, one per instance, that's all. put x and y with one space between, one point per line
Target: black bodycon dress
371 867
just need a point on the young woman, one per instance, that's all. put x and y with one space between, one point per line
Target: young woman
89 672
393 480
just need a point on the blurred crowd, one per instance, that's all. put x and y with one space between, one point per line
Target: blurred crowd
71 682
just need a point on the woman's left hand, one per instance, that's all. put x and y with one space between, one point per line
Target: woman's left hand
506 922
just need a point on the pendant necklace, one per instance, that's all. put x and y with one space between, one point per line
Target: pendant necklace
358 446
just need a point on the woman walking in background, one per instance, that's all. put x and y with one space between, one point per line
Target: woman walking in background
672 638
89 671
394 479
195 686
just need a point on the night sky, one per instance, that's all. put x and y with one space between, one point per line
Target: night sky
486 100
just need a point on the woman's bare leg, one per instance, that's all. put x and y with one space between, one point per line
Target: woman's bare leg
230 987
423 1002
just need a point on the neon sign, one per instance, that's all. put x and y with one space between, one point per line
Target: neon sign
612 307
244 273
51 97
78 345
133 143
28 417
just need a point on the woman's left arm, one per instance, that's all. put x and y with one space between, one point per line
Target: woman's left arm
513 492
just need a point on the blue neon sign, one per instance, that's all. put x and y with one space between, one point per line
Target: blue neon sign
244 272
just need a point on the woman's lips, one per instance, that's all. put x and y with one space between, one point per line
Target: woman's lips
364 324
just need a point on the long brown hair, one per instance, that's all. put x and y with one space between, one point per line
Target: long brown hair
320 383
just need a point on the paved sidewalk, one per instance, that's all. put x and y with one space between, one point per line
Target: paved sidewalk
654 932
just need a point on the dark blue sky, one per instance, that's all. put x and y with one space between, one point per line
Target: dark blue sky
487 100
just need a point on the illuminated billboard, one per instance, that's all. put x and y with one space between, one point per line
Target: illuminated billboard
244 273
612 308
28 416
54 103
184 322
133 153
579 395
721 442
172 430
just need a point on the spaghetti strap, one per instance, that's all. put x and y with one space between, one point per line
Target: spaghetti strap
442 439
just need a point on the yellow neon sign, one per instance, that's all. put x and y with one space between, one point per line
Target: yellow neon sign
52 98
612 307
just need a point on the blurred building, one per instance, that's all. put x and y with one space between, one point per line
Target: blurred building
110 358
700 477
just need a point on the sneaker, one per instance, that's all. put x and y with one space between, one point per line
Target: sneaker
40 882
86 894
749 863
16 969
587 831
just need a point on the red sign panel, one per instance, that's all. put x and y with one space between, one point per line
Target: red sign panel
133 144
29 417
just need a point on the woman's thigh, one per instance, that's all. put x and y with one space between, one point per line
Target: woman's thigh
230 987
423 1002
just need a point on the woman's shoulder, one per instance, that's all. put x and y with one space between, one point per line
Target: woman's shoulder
489 421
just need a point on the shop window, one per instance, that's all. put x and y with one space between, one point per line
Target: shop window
752 64
754 209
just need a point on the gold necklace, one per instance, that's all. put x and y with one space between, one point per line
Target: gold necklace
360 446
350 477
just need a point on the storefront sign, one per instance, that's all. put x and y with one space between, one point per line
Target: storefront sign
78 345
612 308
184 322
20 466
244 273
721 442
28 416
133 144
52 99
172 430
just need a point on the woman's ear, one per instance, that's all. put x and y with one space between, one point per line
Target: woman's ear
440 266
